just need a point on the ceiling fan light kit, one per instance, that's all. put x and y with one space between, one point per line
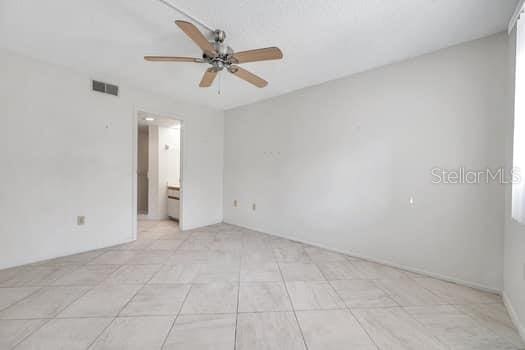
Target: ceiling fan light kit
220 56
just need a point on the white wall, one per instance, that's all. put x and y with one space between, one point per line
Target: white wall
514 248
67 151
172 155
335 164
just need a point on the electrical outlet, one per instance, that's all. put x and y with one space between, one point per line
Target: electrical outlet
81 220
254 207
235 203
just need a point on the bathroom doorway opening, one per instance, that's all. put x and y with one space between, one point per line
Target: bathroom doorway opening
158 185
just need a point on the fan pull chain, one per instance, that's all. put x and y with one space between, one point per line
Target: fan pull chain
220 83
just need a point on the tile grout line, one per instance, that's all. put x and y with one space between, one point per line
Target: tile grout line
399 306
387 293
476 321
53 317
362 327
430 290
176 318
107 326
33 332
293 310
162 265
183 301
349 310
101 332
126 304
425 327
238 293
24 298
238 297
52 286
89 289
141 288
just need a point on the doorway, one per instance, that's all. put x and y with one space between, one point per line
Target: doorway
158 184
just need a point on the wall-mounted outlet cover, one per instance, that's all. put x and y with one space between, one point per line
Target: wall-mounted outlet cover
81 220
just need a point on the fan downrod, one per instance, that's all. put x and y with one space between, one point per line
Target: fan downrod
219 35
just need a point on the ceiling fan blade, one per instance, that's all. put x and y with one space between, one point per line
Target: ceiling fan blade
268 53
208 77
248 76
196 35
172 59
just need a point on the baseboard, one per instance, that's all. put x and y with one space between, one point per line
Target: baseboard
384 262
40 259
514 316
201 225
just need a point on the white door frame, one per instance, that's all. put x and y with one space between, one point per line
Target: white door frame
134 131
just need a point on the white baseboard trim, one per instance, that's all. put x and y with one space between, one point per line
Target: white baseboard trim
201 225
381 261
514 316
42 258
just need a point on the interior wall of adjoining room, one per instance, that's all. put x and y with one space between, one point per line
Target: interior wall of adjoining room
142 170
168 148
69 152
164 168
348 164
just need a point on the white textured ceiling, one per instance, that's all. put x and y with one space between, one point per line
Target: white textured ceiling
321 39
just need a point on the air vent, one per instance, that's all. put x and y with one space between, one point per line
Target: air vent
112 89
105 88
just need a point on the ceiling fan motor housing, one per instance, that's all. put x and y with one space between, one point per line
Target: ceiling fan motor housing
221 56
224 56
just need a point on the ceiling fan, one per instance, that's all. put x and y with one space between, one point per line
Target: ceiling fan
221 56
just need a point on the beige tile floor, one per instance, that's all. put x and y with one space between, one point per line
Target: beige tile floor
225 287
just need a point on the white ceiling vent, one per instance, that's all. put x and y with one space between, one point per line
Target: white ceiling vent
104 87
